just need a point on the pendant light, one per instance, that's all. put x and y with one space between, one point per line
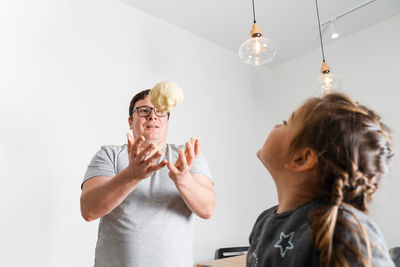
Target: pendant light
257 50
327 81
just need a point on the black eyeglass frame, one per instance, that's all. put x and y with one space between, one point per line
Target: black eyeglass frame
151 109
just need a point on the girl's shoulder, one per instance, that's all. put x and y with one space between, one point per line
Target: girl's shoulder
266 213
380 253
354 215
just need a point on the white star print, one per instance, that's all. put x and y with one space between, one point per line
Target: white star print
286 245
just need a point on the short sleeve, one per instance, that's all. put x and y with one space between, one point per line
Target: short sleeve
200 166
102 164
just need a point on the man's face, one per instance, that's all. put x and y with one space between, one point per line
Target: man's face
152 127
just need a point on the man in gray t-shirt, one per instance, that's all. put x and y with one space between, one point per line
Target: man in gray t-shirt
145 193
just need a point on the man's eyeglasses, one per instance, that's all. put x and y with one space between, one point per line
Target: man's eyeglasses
144 111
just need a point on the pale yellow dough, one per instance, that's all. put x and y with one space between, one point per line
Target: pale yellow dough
165 96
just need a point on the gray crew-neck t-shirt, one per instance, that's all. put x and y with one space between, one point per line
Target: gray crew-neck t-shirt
152 226
285 239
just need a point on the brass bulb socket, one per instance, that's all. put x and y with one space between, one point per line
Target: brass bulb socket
255 31
325 68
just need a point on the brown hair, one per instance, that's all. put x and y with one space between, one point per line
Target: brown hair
139 96
354 149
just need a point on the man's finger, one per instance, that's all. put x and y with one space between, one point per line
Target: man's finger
187 150
197 147
146 152
178 164
130 141
153 158
172 168
190 155
137 145
182 160
158 166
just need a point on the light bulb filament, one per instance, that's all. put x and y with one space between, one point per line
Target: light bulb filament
327 80
257 47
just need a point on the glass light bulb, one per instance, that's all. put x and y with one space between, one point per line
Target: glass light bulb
328 82
257 51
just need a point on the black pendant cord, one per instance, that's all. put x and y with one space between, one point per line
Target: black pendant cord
320 35
254 13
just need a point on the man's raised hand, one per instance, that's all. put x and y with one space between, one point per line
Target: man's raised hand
184 163
141 159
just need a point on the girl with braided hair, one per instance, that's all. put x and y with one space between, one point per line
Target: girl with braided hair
326 161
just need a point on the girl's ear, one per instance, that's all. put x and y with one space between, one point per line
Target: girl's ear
304 159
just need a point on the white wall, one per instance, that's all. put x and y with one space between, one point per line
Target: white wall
68 71
368 62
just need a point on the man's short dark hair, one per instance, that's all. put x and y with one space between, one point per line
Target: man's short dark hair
136 98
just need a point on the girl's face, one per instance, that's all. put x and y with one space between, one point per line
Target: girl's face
275 152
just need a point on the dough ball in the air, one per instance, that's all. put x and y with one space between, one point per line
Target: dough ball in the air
165 96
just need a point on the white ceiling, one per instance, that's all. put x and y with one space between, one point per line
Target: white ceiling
291 24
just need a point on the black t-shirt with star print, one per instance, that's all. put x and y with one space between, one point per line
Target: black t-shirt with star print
285 239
